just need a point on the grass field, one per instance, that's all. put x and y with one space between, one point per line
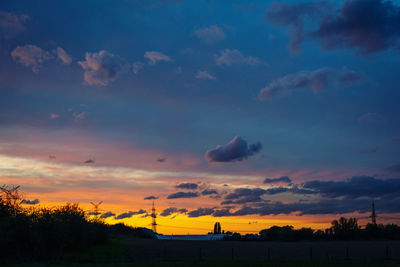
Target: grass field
147 252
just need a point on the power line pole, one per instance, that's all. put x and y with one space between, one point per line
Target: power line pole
96 209
153 219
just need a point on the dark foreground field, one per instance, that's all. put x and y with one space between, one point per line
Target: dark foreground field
164 253
157 250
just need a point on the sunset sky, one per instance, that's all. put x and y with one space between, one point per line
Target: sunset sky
249 113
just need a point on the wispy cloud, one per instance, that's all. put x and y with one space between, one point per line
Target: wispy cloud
230 57
154 57
210 34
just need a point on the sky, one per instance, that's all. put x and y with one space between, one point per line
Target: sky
249 113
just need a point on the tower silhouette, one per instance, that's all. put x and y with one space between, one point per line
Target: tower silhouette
373 214
153 219
96 209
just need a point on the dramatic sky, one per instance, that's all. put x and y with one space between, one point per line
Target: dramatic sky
250 113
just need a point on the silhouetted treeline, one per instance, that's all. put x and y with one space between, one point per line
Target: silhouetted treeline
48 233
342 229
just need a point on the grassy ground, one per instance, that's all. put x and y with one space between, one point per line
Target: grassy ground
230 263
149 253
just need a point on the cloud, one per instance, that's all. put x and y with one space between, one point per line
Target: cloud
236 150
102 67
244 195
30 202
89 161
168 211
230 57
154 57
150 198
204 75
137 66
107 214
210 35
11 24
183 195
161 159
355 187
54 116
347 26
209 192
30 56
317 80
370 118
63 56
190 186
201 212
129 214
79 116
283 179
294 17
172 210
394 168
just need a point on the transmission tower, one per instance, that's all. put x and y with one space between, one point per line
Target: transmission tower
153 219
373 214
96 209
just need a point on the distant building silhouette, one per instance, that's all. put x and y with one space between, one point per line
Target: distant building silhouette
217 228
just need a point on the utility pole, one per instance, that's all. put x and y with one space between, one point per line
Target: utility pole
153 219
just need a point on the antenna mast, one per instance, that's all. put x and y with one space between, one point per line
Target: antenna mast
153 219
373 214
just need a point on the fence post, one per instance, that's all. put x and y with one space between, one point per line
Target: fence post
311 253
200 253
233 254
269 253
165 253
387 252
347 252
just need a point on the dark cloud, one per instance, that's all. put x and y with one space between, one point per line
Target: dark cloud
355 187
168 211
201 212
394 168
244 195
129 214
368 26
89 161
209 192
107 214
183 195
190 186
161 159
172 210
317 80
236 150
30 202
294 17
283 179
150 197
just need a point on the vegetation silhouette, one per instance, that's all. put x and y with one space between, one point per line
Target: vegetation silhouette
342 229
48 233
